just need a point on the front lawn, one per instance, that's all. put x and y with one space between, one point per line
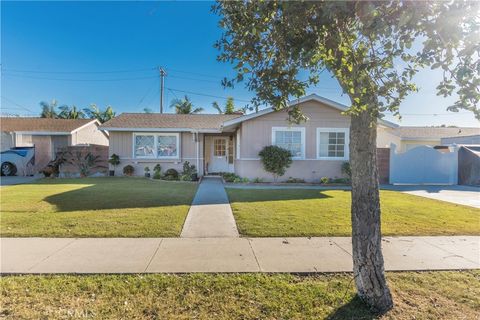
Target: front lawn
425 295
95 207
290 213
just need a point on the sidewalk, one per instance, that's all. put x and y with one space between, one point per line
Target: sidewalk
210 215
179 255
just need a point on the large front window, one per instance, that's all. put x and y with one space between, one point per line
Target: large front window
156 145
332 143
292 139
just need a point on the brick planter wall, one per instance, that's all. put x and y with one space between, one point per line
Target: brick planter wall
97 150
383 163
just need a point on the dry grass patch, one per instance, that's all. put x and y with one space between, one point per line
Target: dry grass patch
426 295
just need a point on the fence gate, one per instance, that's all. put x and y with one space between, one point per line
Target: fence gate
424 165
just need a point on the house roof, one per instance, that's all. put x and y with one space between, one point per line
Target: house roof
311 97
165 121
426 133
42 125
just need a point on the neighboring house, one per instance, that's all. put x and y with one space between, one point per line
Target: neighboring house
231 143
407 138
462 140
47 135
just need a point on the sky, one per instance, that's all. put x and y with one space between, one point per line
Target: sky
108 53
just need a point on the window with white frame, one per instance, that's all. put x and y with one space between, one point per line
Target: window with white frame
292 139
332 143
156 145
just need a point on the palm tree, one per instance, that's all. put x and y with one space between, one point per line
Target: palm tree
229 107
184 106
95 113
49 109
70 113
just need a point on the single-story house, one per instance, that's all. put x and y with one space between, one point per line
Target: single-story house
231 143
463 139
407 138
47 135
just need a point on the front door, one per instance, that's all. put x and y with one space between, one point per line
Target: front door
219 155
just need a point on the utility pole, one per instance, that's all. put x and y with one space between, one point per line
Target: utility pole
163 73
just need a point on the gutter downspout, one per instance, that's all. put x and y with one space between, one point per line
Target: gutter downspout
197 147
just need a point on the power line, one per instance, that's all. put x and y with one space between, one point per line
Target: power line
82 80
79 72
16 104
205 95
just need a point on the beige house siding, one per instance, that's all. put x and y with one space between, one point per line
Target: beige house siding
89 135
385 137
309 170
257 133
7 140
121 143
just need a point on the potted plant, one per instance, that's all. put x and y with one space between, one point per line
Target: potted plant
147 172
114 161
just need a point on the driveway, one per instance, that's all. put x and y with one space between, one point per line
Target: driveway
10 181
464 195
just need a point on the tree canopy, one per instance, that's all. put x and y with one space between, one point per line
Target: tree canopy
369 47
184 106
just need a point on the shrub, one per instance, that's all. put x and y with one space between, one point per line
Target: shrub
241 180
157 175
53 167
340 180
128 170
295 180
324 180
257 180
229 176
147 172
189 172
114 160
171 174
275 160
85 163
347 170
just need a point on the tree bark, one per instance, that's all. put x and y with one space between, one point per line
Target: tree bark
368 265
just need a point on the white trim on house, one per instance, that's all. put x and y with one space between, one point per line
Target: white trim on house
190 130
346 150
293 129
311 97
155 145
44 133
237 153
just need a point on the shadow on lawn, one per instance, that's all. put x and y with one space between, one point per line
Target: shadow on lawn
354 309
118 193
259 195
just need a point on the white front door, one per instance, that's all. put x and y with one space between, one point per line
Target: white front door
219 155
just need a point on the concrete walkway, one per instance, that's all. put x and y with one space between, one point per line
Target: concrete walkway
178 255
464 195
210 215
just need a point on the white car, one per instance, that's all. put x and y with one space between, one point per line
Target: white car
18 159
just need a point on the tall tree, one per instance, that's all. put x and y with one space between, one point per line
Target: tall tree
101 115
228 109
184 106
67 112
49 110
373 49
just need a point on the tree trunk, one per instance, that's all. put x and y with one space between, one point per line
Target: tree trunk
366 235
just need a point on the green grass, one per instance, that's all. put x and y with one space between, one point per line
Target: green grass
283 213
426 295
95 207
